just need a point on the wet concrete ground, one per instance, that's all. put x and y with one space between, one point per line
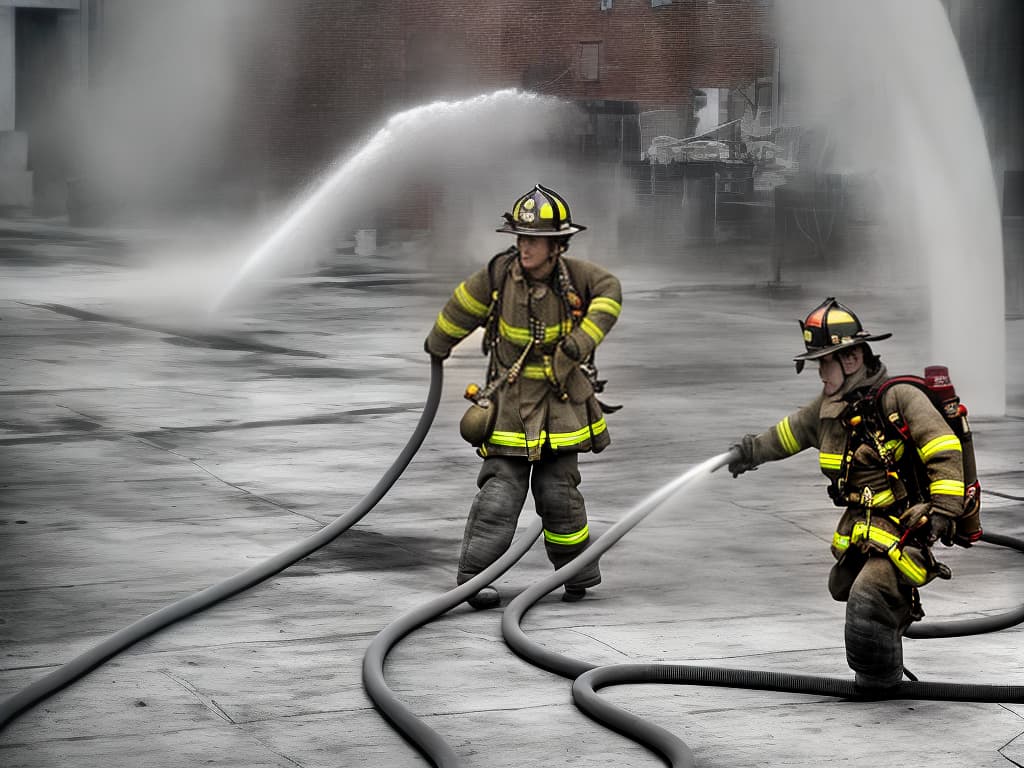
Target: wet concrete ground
148 454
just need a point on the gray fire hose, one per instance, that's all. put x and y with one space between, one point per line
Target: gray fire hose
64 675
588 678
415 730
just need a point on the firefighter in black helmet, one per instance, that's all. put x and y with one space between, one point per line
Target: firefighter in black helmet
543 315
895 467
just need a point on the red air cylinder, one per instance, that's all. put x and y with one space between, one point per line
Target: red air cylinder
937 378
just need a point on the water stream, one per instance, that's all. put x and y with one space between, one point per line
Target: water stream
417 142
888 83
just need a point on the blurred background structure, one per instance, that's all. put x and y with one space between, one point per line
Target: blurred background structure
122 107
770 123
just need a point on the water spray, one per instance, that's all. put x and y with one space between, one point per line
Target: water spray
408 141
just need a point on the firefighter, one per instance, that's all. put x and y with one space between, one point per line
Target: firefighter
894 465
543 314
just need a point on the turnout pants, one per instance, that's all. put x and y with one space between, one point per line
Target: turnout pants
879 608
503 482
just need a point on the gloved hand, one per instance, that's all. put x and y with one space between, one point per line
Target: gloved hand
571 348
916 516
943 528
563 362
742 458
443 355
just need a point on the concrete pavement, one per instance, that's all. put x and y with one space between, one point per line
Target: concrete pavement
149 452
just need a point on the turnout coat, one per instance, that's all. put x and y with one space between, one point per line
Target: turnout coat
562 320
868 487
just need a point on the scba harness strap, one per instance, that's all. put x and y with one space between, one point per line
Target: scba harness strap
574 303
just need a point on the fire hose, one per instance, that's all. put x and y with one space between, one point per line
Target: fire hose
64 675
588 678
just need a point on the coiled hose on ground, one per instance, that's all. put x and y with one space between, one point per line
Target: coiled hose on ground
588 678
64 675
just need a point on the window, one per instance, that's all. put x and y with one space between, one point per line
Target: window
656 3
606 5
590 61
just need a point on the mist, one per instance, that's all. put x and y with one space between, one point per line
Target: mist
905 116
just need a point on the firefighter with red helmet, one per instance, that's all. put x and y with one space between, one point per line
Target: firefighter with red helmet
543 315
896 468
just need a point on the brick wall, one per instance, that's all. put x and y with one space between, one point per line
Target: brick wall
332 70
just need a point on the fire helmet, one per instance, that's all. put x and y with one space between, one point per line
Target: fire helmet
541 212
830 327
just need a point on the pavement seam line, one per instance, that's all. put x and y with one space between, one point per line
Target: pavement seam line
209 704
246 491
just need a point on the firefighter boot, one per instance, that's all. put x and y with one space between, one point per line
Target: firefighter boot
877 613
487 597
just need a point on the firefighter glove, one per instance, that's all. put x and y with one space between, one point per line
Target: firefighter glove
433 351
742 458
916 516
563 363
571 348
943 528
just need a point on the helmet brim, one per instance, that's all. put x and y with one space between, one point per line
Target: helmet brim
572 229
815 354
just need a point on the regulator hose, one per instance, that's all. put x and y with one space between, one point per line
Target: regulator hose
424 738
64 675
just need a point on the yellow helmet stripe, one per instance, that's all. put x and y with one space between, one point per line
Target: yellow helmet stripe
939 444
448 328
465 300
568 539
785 433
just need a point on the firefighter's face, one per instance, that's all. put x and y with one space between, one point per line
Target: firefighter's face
833 369
535 254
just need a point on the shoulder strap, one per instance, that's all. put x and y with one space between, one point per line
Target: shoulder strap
497 273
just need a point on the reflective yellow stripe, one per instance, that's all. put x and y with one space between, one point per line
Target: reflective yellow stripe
916 574
568 539
606 305
522 336
946 488
832 461
895 448
789 443
515 439
882 499
563 439
592 329
467 302
537 372
448 328
557 439
939 444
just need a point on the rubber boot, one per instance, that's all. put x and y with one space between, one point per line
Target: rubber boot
487 597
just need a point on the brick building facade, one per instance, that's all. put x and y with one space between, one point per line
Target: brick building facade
342 68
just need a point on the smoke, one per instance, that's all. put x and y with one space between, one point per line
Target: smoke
159 118
886 85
